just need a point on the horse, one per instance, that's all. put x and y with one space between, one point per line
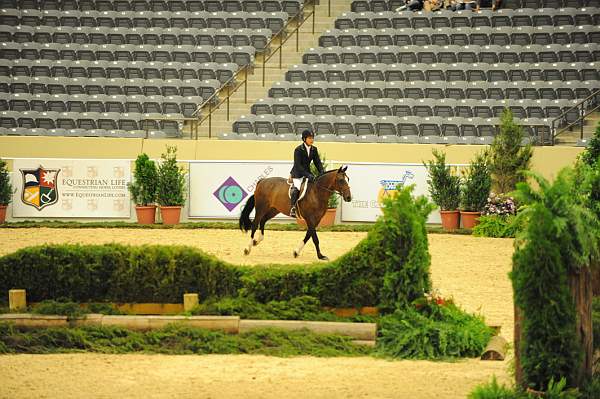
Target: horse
271 198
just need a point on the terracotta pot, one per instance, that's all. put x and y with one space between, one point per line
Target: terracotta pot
3 213
469 219
170 214
145 214
450 220
327 220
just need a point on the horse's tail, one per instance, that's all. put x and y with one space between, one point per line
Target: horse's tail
245 222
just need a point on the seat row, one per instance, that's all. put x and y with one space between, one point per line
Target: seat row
147 19
289 6
453 54
257 38
391 5
500 36
329 125
445 72
135 104
469 19
242 55
111 69
116 133
446 108
87 121
436 90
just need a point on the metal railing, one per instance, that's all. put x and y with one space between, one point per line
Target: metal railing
210 102
300 19
584 108
233 81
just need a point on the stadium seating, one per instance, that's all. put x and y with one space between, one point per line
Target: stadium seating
122 68
444 77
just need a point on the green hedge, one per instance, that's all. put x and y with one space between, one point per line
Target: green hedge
389 269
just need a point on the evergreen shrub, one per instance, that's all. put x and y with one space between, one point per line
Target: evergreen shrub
6 189
143 188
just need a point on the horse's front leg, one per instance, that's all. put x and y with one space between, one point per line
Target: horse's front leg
315 239
302 244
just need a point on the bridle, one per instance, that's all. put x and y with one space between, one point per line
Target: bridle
338 192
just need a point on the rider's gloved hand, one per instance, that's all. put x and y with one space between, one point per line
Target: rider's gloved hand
311 178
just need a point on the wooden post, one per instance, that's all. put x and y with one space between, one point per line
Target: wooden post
17 300
581 291
189 302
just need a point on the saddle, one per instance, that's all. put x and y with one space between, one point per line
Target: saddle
303 187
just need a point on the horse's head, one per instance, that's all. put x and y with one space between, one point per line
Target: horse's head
341 184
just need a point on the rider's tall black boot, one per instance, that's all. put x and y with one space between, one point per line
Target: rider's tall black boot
293 200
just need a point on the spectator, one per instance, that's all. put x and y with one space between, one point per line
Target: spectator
412 5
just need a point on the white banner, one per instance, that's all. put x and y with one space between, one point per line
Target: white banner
369 183
218 189
71 188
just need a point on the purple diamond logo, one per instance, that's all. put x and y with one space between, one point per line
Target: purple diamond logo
230 193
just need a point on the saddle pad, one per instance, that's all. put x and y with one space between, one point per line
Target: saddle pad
303 188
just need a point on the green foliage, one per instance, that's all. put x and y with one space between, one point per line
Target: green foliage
493 390
498 226
596 322
333 199
6 189
389 268
175 339
50 307
432 332
553 214
477 184
508 159
299 308
444 187
170 189
143 188
591 155
591 390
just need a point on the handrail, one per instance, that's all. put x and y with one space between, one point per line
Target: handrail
282 40
227 84
584 111
246 68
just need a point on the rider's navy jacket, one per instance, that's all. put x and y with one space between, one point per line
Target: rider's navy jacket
302 162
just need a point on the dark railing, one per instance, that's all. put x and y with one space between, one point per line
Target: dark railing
584 108
232 82
213 103
300 18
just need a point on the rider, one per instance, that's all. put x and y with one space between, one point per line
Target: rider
303 155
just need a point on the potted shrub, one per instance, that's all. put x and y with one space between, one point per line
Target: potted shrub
143 189
170 191
5 190
329 218
475 191
444 188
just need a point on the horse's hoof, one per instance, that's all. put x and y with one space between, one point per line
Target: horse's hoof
246 251
295 254
323 257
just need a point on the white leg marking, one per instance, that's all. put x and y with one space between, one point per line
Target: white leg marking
259 238
247 250
298 251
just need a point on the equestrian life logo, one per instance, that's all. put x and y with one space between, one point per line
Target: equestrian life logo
388 187
230 193
39 187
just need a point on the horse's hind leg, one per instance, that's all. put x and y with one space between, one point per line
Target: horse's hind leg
302 244
261 233
260 213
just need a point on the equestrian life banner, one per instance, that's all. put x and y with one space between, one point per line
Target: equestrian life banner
370 183
82 188
219 189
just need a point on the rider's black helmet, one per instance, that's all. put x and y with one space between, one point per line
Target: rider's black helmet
306 134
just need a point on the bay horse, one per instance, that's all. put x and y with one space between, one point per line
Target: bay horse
271 198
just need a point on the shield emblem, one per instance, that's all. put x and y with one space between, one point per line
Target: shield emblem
39 187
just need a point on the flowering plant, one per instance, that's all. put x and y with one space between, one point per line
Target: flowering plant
433 298
499 205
